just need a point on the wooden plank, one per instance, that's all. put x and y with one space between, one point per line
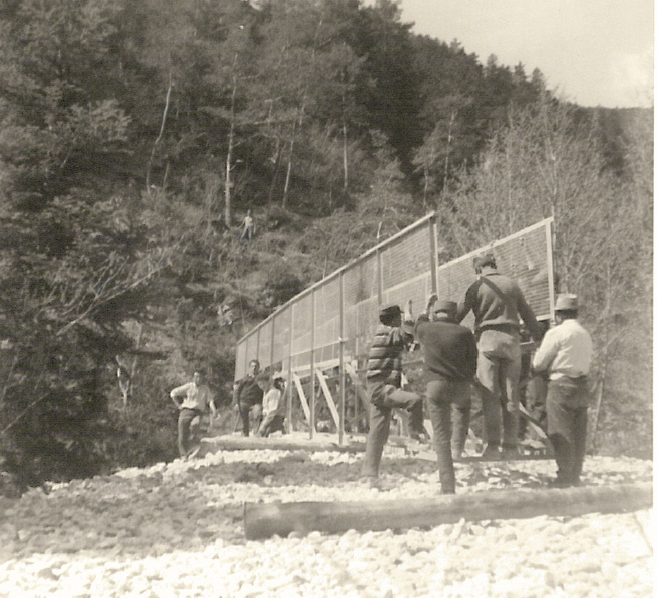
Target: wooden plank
302 396
329 398
265 520
360 389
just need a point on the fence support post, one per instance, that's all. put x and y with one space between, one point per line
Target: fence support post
342 407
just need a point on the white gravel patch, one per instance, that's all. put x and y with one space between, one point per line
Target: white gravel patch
175 530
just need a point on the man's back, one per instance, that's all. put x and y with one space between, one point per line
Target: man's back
497 301
449 349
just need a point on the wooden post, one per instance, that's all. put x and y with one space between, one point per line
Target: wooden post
264 520
302 397
432 254
342 399
550 265
288 408
327 395
311 430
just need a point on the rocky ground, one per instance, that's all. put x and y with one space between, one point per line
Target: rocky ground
176 530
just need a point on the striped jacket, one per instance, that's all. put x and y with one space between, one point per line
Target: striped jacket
385 362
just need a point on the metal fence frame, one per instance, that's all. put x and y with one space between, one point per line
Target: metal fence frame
294 340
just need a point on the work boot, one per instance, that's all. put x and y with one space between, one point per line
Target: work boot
491 452
372 482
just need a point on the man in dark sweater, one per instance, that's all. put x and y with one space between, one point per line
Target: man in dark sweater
498 303
384 371
450 363
247 396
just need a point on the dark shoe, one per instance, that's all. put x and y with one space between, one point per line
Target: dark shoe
559 483
421 436
491 452
449 490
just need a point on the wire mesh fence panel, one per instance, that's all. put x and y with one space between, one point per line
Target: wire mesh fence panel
240 360
302 330
407 257
394 272
264 343
361 298
524 256
281 337
327 322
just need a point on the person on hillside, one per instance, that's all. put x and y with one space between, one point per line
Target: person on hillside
384 372
193 400
565 355
450 364
248 224
247 397
498 303
273 407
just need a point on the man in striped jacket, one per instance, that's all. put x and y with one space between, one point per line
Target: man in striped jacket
384 373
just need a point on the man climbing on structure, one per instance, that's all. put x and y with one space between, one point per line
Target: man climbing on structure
565 355
450 364
247 397
498 303
384 373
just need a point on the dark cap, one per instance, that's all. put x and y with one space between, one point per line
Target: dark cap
487 259
444 305
389 311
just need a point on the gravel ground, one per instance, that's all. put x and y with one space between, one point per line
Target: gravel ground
175 530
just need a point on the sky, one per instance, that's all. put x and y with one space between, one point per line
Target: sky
593 52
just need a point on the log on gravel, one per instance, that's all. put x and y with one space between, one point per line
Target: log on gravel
265 520
236 443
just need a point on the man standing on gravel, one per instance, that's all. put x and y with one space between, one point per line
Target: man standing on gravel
196 400
247 396
565 354
450 364
497 303
384 371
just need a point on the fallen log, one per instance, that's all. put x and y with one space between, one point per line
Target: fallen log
265 520
285 443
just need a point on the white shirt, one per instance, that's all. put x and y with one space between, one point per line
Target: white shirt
566 350
272 404
196 397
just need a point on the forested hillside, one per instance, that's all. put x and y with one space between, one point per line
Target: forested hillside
135 134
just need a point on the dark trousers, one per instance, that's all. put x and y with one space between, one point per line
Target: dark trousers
185 422
271 424
443 395
245 410
385 398
567 405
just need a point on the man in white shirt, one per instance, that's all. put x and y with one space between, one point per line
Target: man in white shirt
273 407
196 400
565 355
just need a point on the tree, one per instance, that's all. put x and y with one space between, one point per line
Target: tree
548 162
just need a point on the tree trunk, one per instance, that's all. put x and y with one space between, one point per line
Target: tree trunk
159 137
228 212
265 520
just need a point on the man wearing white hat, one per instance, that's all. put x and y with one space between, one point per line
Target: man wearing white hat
565 354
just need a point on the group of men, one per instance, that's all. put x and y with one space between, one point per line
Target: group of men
254 396
455 360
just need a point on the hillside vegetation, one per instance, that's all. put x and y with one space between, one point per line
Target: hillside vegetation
135 134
